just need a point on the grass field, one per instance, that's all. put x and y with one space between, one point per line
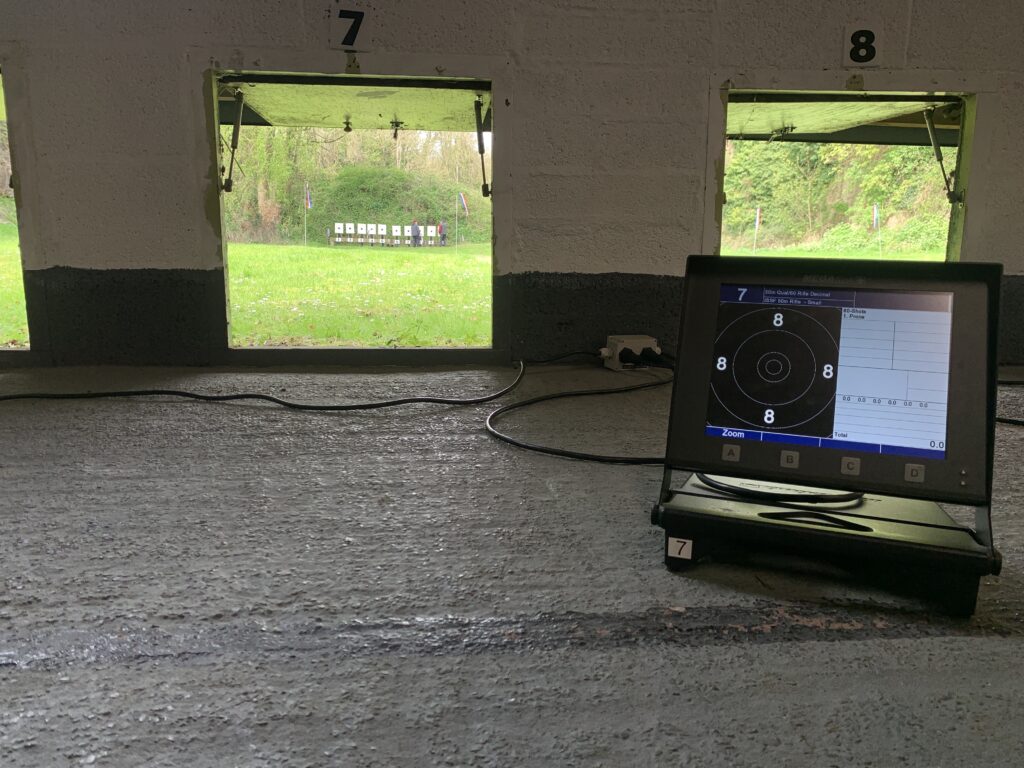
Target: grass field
13 323
862 253
352 296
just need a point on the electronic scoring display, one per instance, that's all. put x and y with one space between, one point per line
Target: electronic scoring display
848 369
840 374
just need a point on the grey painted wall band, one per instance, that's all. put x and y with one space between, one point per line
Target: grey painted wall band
556 312
125 316
178 317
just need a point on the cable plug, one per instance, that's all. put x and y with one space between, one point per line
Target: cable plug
630 359
655 359
623 352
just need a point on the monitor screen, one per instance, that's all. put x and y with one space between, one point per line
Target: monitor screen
868 376
864 370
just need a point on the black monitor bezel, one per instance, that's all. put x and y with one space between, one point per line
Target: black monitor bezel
975 334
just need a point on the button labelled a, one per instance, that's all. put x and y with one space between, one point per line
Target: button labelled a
730 452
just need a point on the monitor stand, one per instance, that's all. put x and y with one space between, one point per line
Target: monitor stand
905 545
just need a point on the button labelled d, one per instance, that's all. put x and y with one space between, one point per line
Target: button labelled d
913 473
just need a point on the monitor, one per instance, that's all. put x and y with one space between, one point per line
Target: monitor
867 376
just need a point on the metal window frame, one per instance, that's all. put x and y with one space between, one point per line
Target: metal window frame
500 350
837 85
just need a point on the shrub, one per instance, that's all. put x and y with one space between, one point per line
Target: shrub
360 194
923 232
844 237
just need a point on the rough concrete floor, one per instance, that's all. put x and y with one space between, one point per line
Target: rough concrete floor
187 584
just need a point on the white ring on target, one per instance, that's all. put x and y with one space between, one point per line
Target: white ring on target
782 368
814 370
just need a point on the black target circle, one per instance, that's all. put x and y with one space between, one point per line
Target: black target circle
775 369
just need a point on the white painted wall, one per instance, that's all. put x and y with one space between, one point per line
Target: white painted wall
600 155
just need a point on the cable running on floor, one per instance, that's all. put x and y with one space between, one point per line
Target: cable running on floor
271 398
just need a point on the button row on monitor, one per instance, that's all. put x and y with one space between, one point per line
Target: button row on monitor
822 442
848 465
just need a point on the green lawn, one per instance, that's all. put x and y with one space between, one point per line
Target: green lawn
13 323
818 252
351 296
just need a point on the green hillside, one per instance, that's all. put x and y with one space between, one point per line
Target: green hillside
363 176
823 196
356 194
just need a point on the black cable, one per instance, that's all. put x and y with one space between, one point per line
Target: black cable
579 455
271 398
803 498
445 401
588 353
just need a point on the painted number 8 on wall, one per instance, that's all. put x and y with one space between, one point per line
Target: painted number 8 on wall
860 46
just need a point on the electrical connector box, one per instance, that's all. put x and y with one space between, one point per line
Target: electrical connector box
632 346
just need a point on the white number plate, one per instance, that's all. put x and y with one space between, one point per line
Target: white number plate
681 548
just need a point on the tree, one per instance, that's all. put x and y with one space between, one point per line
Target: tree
276 163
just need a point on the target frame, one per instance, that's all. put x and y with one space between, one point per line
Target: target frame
798 391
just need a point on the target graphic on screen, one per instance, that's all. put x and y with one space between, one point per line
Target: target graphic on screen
775 368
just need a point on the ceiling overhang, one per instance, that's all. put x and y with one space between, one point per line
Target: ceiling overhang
842 117
336 101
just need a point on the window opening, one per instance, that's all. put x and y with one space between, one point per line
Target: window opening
352 211
13 318
839 175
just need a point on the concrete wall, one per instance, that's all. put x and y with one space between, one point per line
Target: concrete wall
601 145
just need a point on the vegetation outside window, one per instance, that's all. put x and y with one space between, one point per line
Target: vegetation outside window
13 320
810 178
